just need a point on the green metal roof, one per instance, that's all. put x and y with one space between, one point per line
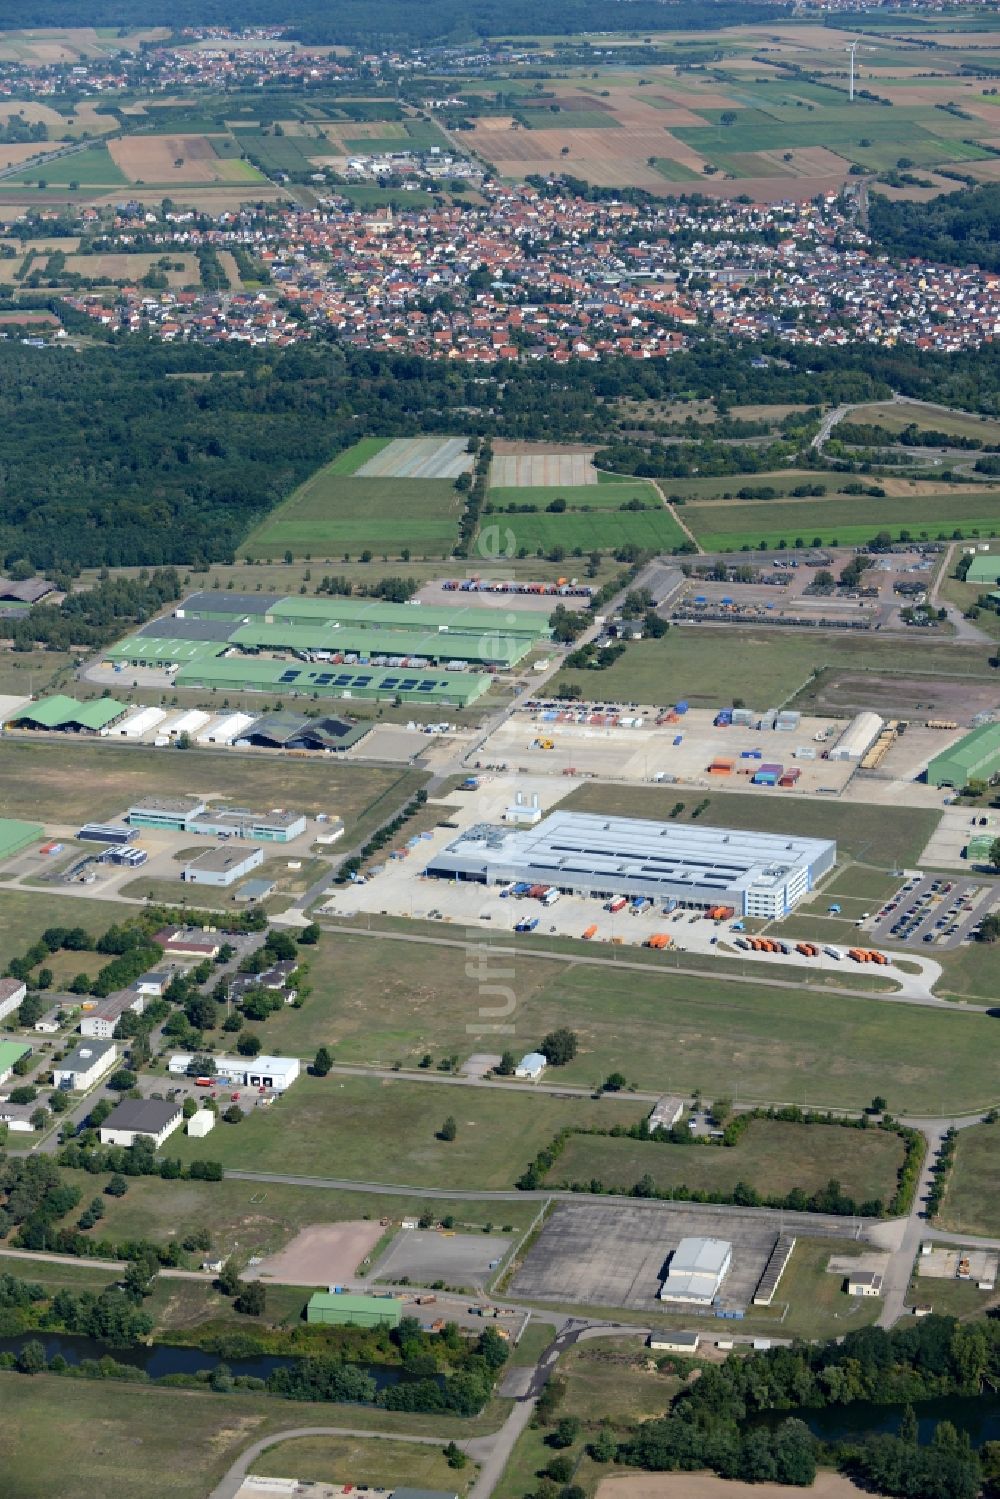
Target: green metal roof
978 754
324 635
255 674
985 568
11 1052
58 712
373 612
981 846
348 1301
16 835
163 651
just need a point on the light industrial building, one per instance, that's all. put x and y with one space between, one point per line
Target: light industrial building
133 1118
858 738
84 1065
343 1309
696 1271
191 814
974 758
758 874
222 867
274 1073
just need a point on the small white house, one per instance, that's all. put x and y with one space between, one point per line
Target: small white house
85 1065
864 1283
674 1342
531 1066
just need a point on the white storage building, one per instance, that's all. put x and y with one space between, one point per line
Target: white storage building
190 722
139 723
274 1073
152 1117
696 1271
201 1124
225 730
12 991
858 738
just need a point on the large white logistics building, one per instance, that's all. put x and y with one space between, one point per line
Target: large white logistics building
583 853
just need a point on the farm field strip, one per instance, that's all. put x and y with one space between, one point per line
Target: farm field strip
418 458
732 526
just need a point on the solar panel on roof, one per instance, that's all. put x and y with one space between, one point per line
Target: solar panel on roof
408 684
289 676
390 682
361 681
425 687
323 678
343 679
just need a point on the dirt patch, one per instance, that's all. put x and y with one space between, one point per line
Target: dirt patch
708 1486
168 158
323 1255
914 697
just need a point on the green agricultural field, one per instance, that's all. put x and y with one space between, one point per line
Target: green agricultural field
889 837
709 667
380 197
76 782
609 493
363 1129
568 119
674 171
263 1219
772 1157
601 530
91 167
847 521
972 1197
416 135
351 459
333 512
281 153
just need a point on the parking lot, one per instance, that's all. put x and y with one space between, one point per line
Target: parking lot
616 1254
934 911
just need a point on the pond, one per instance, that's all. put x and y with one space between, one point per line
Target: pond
979 1415
159 1359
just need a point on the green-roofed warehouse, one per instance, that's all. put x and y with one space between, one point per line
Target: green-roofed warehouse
974 758
454 689
325 635
16 835
373 614
984 568
344 1309
11 1052
91 717
142 650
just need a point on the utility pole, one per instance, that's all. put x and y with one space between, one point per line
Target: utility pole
852 47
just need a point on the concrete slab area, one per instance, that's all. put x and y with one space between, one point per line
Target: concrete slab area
426 1256
325 1254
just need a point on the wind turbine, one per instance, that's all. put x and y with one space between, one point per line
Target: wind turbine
852 47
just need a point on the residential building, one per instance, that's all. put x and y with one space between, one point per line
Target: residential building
12 991
11 1052
85 1065
102 1020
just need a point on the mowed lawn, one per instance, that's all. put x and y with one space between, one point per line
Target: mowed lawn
730 527
75 782
972 1197
366 1129
709 667
889 837
772 1157
361 1461
335 512
664 1030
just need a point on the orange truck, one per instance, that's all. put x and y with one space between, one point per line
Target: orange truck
589 933
659 940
